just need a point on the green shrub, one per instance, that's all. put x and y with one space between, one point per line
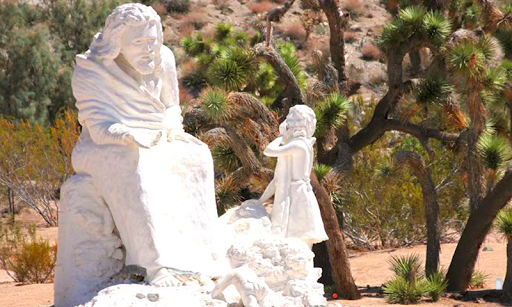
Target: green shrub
409 284
504 222
400 291
437 284
407 267
177 6
31 259
321 170
477 280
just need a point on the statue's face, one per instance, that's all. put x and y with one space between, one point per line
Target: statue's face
295 125
139 45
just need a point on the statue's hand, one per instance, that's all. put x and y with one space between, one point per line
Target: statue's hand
143 139
183 136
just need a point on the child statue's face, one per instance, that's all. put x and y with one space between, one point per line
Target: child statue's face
295 126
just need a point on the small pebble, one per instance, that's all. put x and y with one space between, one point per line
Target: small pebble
488 249
153 297
140 296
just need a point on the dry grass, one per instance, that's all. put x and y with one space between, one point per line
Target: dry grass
350 37
160 9
186 99
370 52
221 4
187 68
186 30
294 30
355 7
261 7
196 19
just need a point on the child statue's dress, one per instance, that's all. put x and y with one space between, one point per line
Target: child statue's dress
295 212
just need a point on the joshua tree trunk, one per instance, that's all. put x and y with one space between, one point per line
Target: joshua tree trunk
415 57
285 75
477 227
507 285
337 23
477 113
420 169
336 248
474 170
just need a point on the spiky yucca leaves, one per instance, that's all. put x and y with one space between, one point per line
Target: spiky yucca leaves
226 74
241 38
321 170
215 103
223 31
330 113
494 150
436 28
494 96
245 59
493 82
233 69
401 291
436 285
226 193
488 46
225 158
467 60
477 280
504 222
407 266
265 79
288 53
430 27
195 45
434 89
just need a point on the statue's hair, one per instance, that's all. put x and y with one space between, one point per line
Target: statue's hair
308 115
107 44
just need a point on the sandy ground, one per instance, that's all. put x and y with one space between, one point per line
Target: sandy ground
369 269
372 269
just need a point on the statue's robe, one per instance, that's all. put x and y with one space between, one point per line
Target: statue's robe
162 199
295 209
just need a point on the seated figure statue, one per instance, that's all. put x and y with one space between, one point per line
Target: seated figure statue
143 193
295 211
252 289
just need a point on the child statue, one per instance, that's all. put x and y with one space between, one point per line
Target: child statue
295 212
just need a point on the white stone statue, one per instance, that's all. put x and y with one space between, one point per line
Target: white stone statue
295 211
251 288
136 168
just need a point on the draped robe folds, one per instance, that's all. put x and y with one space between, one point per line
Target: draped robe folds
162 199
295 210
